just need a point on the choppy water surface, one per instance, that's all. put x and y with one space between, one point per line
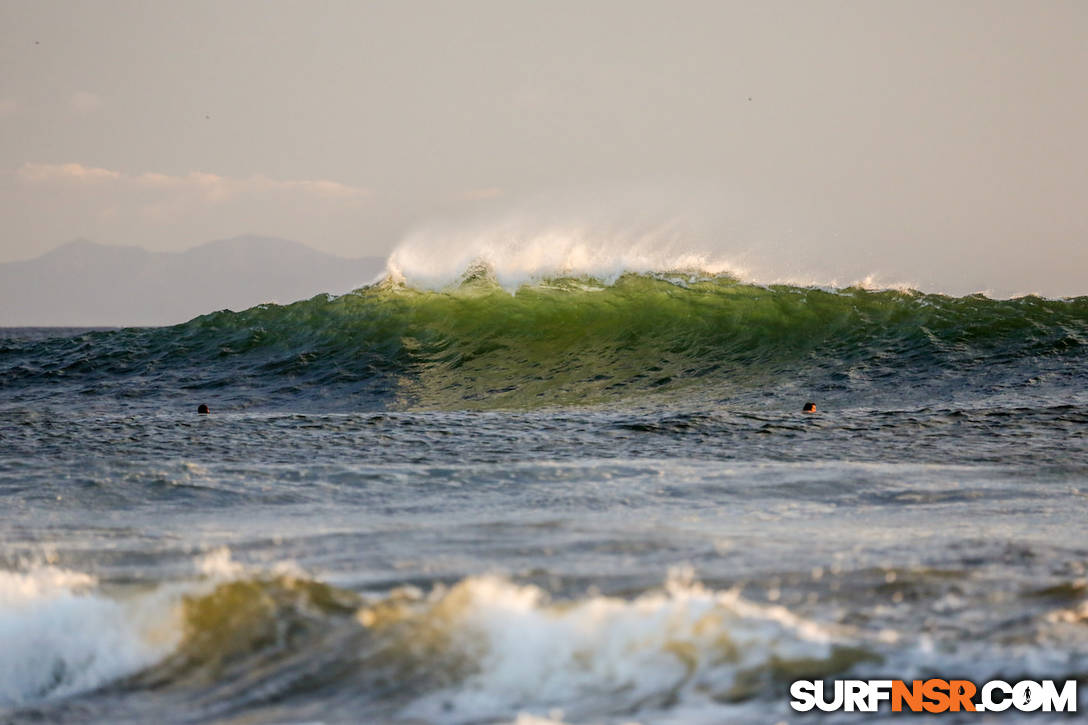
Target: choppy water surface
580 504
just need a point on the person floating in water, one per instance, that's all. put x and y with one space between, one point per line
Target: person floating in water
203 409
809 408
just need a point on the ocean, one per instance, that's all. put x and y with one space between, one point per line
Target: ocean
584 502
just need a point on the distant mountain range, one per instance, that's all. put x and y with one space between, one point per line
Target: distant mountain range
87 284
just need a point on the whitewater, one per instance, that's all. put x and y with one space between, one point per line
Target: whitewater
551 486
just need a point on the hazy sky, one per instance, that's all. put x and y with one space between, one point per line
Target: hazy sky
939 143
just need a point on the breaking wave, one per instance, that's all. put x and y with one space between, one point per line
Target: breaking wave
61 636
272 644
484 649
569 341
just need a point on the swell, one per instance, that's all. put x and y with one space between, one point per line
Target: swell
562 342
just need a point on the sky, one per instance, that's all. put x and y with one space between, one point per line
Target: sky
935 144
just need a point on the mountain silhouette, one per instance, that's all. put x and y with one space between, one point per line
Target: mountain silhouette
83 283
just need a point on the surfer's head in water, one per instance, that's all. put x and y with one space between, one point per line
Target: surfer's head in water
203 409
809 408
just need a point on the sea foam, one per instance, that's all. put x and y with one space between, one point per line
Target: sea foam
519 250
62 636
560 660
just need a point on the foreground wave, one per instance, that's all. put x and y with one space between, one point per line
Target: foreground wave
484 649
569 341
479 650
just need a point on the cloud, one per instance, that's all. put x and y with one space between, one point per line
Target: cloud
84 102
196 185
114 202
8 107
47 173
490 192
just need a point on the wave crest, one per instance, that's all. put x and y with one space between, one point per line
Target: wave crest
517 253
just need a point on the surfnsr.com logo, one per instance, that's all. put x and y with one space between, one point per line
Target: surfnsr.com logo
934 696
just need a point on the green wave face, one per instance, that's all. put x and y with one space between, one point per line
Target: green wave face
569 341
642 336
